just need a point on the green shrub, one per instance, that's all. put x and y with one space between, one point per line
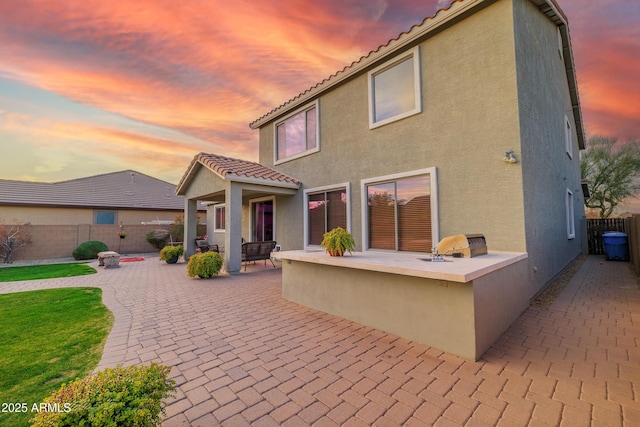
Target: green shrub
169 252
338 241
204 265
89 250
119 396
158 238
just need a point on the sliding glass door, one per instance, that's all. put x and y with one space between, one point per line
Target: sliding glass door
262 220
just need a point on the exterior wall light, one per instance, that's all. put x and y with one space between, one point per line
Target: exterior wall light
509 157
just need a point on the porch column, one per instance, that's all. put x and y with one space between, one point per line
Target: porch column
233 225
190 227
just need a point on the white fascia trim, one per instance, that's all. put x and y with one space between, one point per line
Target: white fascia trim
433 175
305 201
315 104
417 87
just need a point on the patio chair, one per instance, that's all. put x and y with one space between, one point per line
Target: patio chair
205 246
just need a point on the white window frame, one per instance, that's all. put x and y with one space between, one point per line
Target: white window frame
560 46
216 226
346 186
570 213
316 149
415 52
433 178
568 137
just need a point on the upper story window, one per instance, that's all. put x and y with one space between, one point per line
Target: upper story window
394 89
560 47
297 135
568 139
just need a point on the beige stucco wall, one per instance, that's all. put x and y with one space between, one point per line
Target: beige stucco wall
460 318
42 215
499 299
206 186
74 216
411 307
547 170
469 118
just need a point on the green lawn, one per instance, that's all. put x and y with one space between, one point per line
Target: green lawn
48 271
47 337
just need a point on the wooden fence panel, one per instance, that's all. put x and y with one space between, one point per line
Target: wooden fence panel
634 243
596 227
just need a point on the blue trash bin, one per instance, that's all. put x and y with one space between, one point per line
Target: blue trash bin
616 246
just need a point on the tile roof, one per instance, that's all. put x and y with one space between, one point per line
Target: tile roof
227 165
236 170
443 16
125 190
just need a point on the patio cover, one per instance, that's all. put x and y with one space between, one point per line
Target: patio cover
211 177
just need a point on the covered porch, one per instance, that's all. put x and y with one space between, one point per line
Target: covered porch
248 191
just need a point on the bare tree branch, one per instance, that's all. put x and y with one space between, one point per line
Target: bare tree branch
611 170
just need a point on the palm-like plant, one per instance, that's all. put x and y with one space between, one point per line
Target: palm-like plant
338 241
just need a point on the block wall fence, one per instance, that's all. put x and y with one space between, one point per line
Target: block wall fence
59 241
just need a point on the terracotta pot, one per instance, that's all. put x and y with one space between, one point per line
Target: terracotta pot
335 252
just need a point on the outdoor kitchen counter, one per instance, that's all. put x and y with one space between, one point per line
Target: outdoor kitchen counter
461 270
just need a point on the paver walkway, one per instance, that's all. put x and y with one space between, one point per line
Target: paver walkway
242 355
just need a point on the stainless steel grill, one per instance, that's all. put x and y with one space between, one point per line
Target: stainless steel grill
465 245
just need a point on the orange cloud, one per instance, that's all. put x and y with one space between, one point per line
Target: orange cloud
206 69
610 97
606 45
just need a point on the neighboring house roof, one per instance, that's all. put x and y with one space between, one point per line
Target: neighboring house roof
237 170
118 190
417 33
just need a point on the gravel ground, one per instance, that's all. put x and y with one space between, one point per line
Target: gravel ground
546 298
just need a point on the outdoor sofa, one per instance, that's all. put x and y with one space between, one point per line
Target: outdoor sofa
256 251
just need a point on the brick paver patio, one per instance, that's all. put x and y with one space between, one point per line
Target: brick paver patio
242 355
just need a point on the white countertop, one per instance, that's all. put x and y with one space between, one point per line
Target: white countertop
410 264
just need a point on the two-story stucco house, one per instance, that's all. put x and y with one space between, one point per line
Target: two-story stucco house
467 123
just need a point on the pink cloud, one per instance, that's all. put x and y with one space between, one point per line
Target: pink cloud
606 42
208 68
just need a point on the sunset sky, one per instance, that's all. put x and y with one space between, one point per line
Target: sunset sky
94 86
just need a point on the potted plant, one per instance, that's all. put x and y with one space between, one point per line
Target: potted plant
337 241
122 234
204 265
170 254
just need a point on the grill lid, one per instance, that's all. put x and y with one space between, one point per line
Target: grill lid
469 245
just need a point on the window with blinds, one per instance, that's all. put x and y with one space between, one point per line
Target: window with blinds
399 214
325 211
